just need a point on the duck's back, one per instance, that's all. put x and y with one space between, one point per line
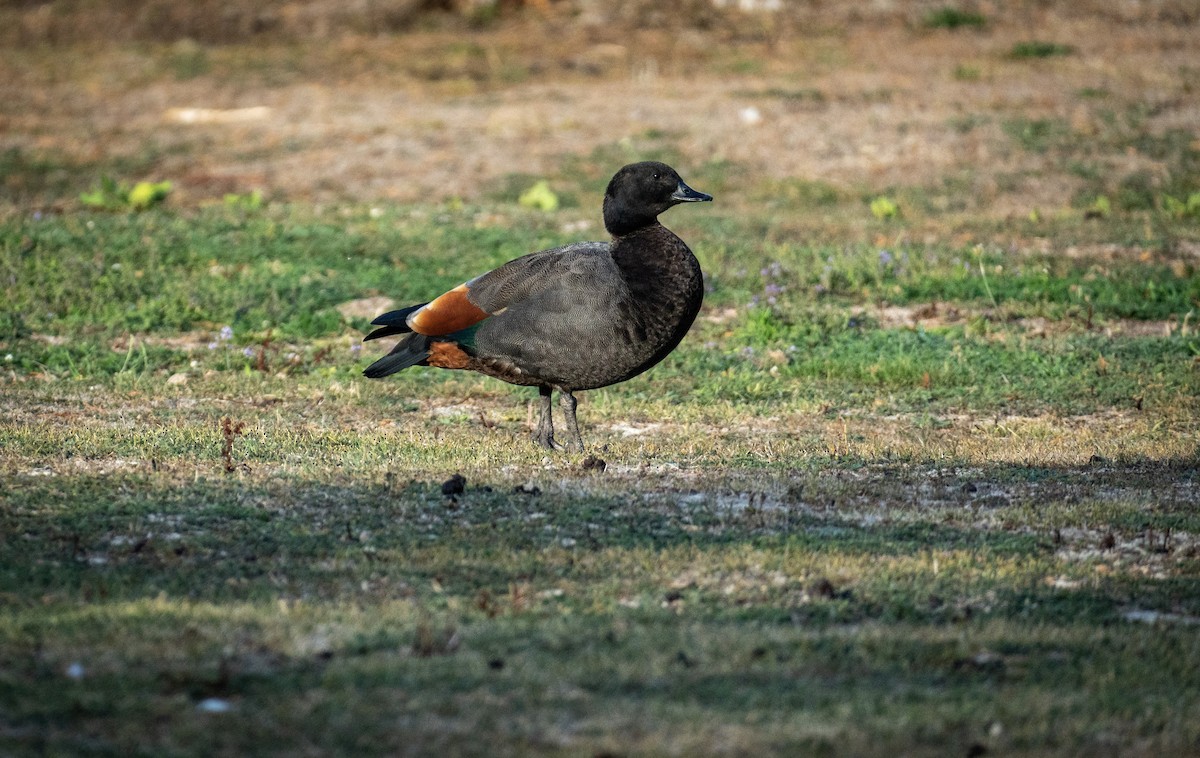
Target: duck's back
590 314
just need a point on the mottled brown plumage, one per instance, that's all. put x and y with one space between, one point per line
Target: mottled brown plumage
577 317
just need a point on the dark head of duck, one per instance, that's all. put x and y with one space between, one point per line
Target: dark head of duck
639 192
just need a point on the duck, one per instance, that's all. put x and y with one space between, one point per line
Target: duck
573 318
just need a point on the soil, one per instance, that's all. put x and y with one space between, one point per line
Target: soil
412 117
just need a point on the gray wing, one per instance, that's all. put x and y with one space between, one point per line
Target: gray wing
525 277
561 312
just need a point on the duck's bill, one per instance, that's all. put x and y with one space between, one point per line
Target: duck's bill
686 194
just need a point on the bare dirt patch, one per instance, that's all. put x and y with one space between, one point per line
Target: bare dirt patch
934 314
435 115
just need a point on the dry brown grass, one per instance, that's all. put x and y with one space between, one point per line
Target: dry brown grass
449 112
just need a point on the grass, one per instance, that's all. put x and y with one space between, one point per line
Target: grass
1039 49
918 482
917 536
953 18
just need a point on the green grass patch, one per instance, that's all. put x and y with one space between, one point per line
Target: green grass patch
364 603
877 486
954 18
1033 49
1037 135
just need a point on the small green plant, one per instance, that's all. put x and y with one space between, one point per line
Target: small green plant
1101 207
1039 49
953 18
1181 209
114 196
978 252
1037 135
188 60
249 202
108 196
967 73
539 196
884 208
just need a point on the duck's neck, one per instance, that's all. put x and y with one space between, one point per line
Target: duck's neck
653 256
666 287
621 219
637 252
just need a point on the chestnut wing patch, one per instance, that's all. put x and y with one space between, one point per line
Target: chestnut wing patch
448 355
447 314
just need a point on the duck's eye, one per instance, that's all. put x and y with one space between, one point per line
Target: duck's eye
656 176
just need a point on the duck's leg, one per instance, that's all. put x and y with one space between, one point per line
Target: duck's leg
544 435
568 402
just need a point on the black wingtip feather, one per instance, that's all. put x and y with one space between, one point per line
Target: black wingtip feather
387 331
392 323
385 366
398 317
407 352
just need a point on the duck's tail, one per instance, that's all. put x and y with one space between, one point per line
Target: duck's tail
411 350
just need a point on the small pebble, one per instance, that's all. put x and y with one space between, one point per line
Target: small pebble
455 485
528 488
592 463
